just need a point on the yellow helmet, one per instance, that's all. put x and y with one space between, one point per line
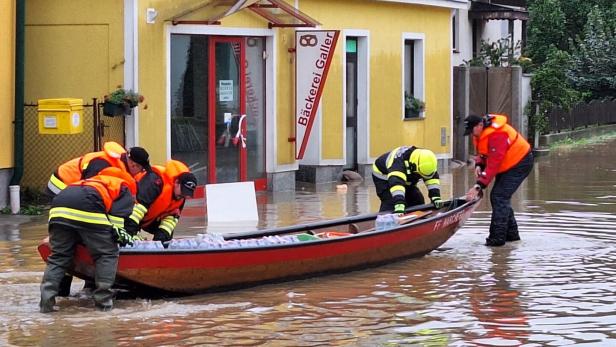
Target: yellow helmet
424 161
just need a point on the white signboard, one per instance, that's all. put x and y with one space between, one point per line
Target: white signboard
231 203
225 90
314 52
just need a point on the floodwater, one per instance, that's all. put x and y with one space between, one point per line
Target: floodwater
556 287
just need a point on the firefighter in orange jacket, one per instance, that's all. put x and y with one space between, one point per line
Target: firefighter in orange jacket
91 211
505 156
161 195
133 161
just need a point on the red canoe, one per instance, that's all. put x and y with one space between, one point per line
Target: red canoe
341 245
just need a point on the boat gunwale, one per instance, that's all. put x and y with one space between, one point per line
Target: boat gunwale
284 246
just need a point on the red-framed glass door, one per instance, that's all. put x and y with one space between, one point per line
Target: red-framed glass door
227 110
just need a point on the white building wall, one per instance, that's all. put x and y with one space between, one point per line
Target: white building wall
495 30
464 51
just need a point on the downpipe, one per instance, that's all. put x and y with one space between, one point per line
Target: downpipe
18 170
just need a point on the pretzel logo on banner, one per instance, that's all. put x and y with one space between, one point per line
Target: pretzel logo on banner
308 40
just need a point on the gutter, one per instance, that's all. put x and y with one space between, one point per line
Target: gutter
20 19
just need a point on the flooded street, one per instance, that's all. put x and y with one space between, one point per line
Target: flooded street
556 287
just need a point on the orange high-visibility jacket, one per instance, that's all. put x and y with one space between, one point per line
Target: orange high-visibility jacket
109 183
77 206
165 204
72 170
518 146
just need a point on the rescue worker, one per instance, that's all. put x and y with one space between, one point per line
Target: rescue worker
505 156
92 212
161 194
133 161
396 174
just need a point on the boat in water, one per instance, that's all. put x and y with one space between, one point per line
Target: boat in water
217 262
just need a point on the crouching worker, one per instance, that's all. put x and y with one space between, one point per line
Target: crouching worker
161 194
92 212
396 174
133 161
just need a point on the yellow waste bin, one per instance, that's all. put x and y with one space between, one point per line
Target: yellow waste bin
60 116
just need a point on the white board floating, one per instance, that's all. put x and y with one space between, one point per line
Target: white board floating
231 203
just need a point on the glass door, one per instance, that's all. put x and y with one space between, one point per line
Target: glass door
227 110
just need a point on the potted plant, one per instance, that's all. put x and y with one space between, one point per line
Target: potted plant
413 106
121 102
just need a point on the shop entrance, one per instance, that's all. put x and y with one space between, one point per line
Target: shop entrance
218 107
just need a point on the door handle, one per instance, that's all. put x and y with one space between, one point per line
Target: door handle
239 136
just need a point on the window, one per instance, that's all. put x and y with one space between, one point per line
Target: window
189 104
413 89
455 30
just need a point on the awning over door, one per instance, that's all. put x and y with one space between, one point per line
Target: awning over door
277 12
485 11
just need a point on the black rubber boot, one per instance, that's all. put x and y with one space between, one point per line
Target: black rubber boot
46 305
104 306
514 236
494 242
65 286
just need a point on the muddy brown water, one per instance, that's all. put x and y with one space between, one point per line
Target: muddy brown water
556 287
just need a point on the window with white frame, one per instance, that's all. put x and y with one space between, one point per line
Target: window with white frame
413 69
455 30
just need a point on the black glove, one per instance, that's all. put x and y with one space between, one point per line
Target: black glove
122 237
162 236
131 227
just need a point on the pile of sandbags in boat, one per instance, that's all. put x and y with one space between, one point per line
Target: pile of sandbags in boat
216 241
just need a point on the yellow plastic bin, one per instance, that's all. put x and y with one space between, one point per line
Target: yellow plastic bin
60 116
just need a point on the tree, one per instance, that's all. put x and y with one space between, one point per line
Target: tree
576 14
546 29
551 88
593 63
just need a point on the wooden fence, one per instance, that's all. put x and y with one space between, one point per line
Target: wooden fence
594 113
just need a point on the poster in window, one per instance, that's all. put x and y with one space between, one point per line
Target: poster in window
225 90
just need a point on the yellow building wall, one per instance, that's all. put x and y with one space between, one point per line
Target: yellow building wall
285 108
386 22
7 79
74 48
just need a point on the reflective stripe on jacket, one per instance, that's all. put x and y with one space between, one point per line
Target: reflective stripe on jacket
395 168
518 146
103 200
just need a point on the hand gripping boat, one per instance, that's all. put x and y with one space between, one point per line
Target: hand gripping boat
249 258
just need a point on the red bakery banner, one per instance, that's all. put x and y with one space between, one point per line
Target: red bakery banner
314 51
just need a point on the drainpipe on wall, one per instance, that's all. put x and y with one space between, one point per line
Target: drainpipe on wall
18 170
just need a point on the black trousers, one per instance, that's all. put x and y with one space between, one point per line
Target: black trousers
503 224
104 251
412 195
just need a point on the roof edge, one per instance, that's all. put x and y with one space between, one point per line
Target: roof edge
456 4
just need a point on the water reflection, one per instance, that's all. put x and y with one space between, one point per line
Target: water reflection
555 287
496 305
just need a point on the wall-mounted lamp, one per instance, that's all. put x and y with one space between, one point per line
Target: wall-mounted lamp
150 15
